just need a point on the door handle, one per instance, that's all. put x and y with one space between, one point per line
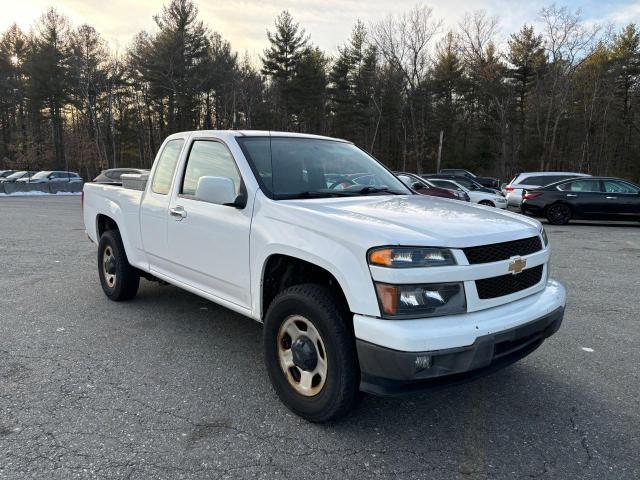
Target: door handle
571 195
177 212
611 198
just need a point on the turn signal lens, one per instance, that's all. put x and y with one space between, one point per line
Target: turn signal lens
388 296
415 301
403 257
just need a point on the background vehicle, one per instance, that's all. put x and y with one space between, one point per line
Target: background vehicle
513 190
113 175
6 173
359 288
423 187
53 176
466 182
596 198
490 182
483 198
16 176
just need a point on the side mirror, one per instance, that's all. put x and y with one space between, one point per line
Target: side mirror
219 190
417 186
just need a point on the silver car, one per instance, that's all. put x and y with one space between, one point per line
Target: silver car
513 190
53 176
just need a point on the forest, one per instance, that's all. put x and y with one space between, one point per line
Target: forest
558 94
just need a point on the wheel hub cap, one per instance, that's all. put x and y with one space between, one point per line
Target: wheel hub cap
109 266
302 355
305 355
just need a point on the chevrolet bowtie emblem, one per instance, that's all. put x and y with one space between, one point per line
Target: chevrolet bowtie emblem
517 265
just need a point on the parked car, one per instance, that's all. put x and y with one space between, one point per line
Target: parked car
483 198
6 173
14 177
490 182
423 187
466 182
595 198
513 190
365 288
53 176
113 175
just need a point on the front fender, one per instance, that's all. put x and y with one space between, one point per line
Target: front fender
338 258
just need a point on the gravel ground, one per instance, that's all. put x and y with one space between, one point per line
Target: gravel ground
173 386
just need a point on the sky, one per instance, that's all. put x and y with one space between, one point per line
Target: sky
328 22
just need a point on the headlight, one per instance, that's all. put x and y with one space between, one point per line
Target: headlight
406 257
415 301
545 240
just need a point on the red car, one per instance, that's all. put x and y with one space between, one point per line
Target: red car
423 187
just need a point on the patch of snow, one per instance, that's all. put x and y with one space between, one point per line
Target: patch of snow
587 349
36 193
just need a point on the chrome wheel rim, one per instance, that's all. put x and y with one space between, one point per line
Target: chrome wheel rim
302 355
108 266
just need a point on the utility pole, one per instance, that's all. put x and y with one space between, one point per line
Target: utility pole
440 151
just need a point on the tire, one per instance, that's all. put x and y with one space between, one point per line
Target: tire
118 278
337 392
559 214
487 203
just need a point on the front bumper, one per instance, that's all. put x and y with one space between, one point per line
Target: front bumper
476 344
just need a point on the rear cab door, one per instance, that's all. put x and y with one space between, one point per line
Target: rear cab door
154 209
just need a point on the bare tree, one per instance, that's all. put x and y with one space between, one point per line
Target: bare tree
404 42
567 43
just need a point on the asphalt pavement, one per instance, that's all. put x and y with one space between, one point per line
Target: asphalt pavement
172 386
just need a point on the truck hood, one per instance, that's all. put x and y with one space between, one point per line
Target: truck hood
412 219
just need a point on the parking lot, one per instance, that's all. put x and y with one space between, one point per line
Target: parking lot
172 386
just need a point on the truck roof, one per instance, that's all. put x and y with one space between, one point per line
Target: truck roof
249 133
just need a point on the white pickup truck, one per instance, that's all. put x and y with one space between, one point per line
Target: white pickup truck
360 287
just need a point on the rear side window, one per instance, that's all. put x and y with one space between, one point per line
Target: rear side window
208 159
581 186
166 165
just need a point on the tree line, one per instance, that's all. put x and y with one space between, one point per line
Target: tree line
560 96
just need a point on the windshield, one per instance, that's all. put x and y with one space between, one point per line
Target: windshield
40 175
15 175
465 182
307 167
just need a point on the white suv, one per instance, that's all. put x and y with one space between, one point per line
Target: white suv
513 190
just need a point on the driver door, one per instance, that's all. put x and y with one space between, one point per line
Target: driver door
209 243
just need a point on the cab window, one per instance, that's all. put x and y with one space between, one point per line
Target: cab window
208 158
166 165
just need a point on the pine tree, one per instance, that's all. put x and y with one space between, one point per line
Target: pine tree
281 59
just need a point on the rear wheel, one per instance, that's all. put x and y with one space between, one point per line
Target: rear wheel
118 278
310 353
559 214
487 203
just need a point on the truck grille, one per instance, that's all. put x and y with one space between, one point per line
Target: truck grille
506 284
502 251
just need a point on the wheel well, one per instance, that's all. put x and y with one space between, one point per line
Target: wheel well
283 271
104 223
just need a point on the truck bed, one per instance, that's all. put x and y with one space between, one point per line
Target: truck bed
122 204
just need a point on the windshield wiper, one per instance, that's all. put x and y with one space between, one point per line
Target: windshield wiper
370 189
316 194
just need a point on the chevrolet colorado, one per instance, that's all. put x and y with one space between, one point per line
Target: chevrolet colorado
360 287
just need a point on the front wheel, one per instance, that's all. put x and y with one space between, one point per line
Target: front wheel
559 214
310 353
118 278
